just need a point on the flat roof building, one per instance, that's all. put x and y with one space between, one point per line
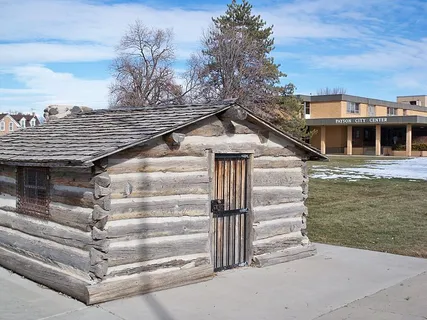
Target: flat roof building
346 124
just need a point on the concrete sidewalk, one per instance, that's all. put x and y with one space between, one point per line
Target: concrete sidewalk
338 283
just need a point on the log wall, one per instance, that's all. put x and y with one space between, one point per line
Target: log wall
159 222
139 220
159 211
280 191
69 243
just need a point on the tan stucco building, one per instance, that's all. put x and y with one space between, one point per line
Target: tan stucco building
346 124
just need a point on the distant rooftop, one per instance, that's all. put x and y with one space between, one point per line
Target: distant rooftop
358 99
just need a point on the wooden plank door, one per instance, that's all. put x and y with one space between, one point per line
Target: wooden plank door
230 211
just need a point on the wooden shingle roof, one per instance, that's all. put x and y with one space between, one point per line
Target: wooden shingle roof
78 139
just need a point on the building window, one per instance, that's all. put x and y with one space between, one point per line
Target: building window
307 108
11 126
356 133
33 122
371 111
2 126
414 103
22 122
405 112
391 111
353 107
33 191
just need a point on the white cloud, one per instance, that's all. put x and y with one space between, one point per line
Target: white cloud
25 53
45 87
384 55
38 32
88 30
89 26
399 64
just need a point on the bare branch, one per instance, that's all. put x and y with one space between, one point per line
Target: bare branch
143 70
329 91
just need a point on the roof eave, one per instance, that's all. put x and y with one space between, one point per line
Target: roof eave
133 144
315 153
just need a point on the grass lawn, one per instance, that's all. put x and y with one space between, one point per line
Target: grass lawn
388 215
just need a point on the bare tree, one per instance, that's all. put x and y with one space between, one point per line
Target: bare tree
329 91
143 72
192 84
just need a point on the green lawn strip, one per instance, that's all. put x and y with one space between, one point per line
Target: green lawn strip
387 215
348 161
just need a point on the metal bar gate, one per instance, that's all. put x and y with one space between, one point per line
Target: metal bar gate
230 211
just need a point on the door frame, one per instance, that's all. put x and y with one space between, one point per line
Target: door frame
249 198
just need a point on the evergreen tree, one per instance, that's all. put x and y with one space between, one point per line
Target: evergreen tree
236 63
289 114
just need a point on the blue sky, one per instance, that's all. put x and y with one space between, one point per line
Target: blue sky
59 51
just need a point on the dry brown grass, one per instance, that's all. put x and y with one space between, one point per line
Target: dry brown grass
388 215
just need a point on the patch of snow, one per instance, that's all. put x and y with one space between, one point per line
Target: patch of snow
415 169
338 176
7 200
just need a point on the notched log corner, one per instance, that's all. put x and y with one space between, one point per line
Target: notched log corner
99 270
101 191
104 202
102 180
100 166
98 234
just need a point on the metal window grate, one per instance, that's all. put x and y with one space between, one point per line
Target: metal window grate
230 211
33 191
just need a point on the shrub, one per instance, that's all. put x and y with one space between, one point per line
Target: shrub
419 147
415 147
399 147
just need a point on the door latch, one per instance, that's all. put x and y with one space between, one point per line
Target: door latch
217 205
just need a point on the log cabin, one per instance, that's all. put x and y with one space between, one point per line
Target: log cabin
112 203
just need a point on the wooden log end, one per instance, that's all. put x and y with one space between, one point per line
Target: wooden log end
98 234
104 202
102 180
101 163
100 224
99 213
101 191
102 245
174 138
233 114
97 256
100 269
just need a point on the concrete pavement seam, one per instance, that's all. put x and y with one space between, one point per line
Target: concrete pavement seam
348 304
110 312
63 313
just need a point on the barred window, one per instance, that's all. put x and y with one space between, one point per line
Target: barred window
33 191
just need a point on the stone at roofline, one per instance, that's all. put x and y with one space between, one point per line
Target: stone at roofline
53 112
